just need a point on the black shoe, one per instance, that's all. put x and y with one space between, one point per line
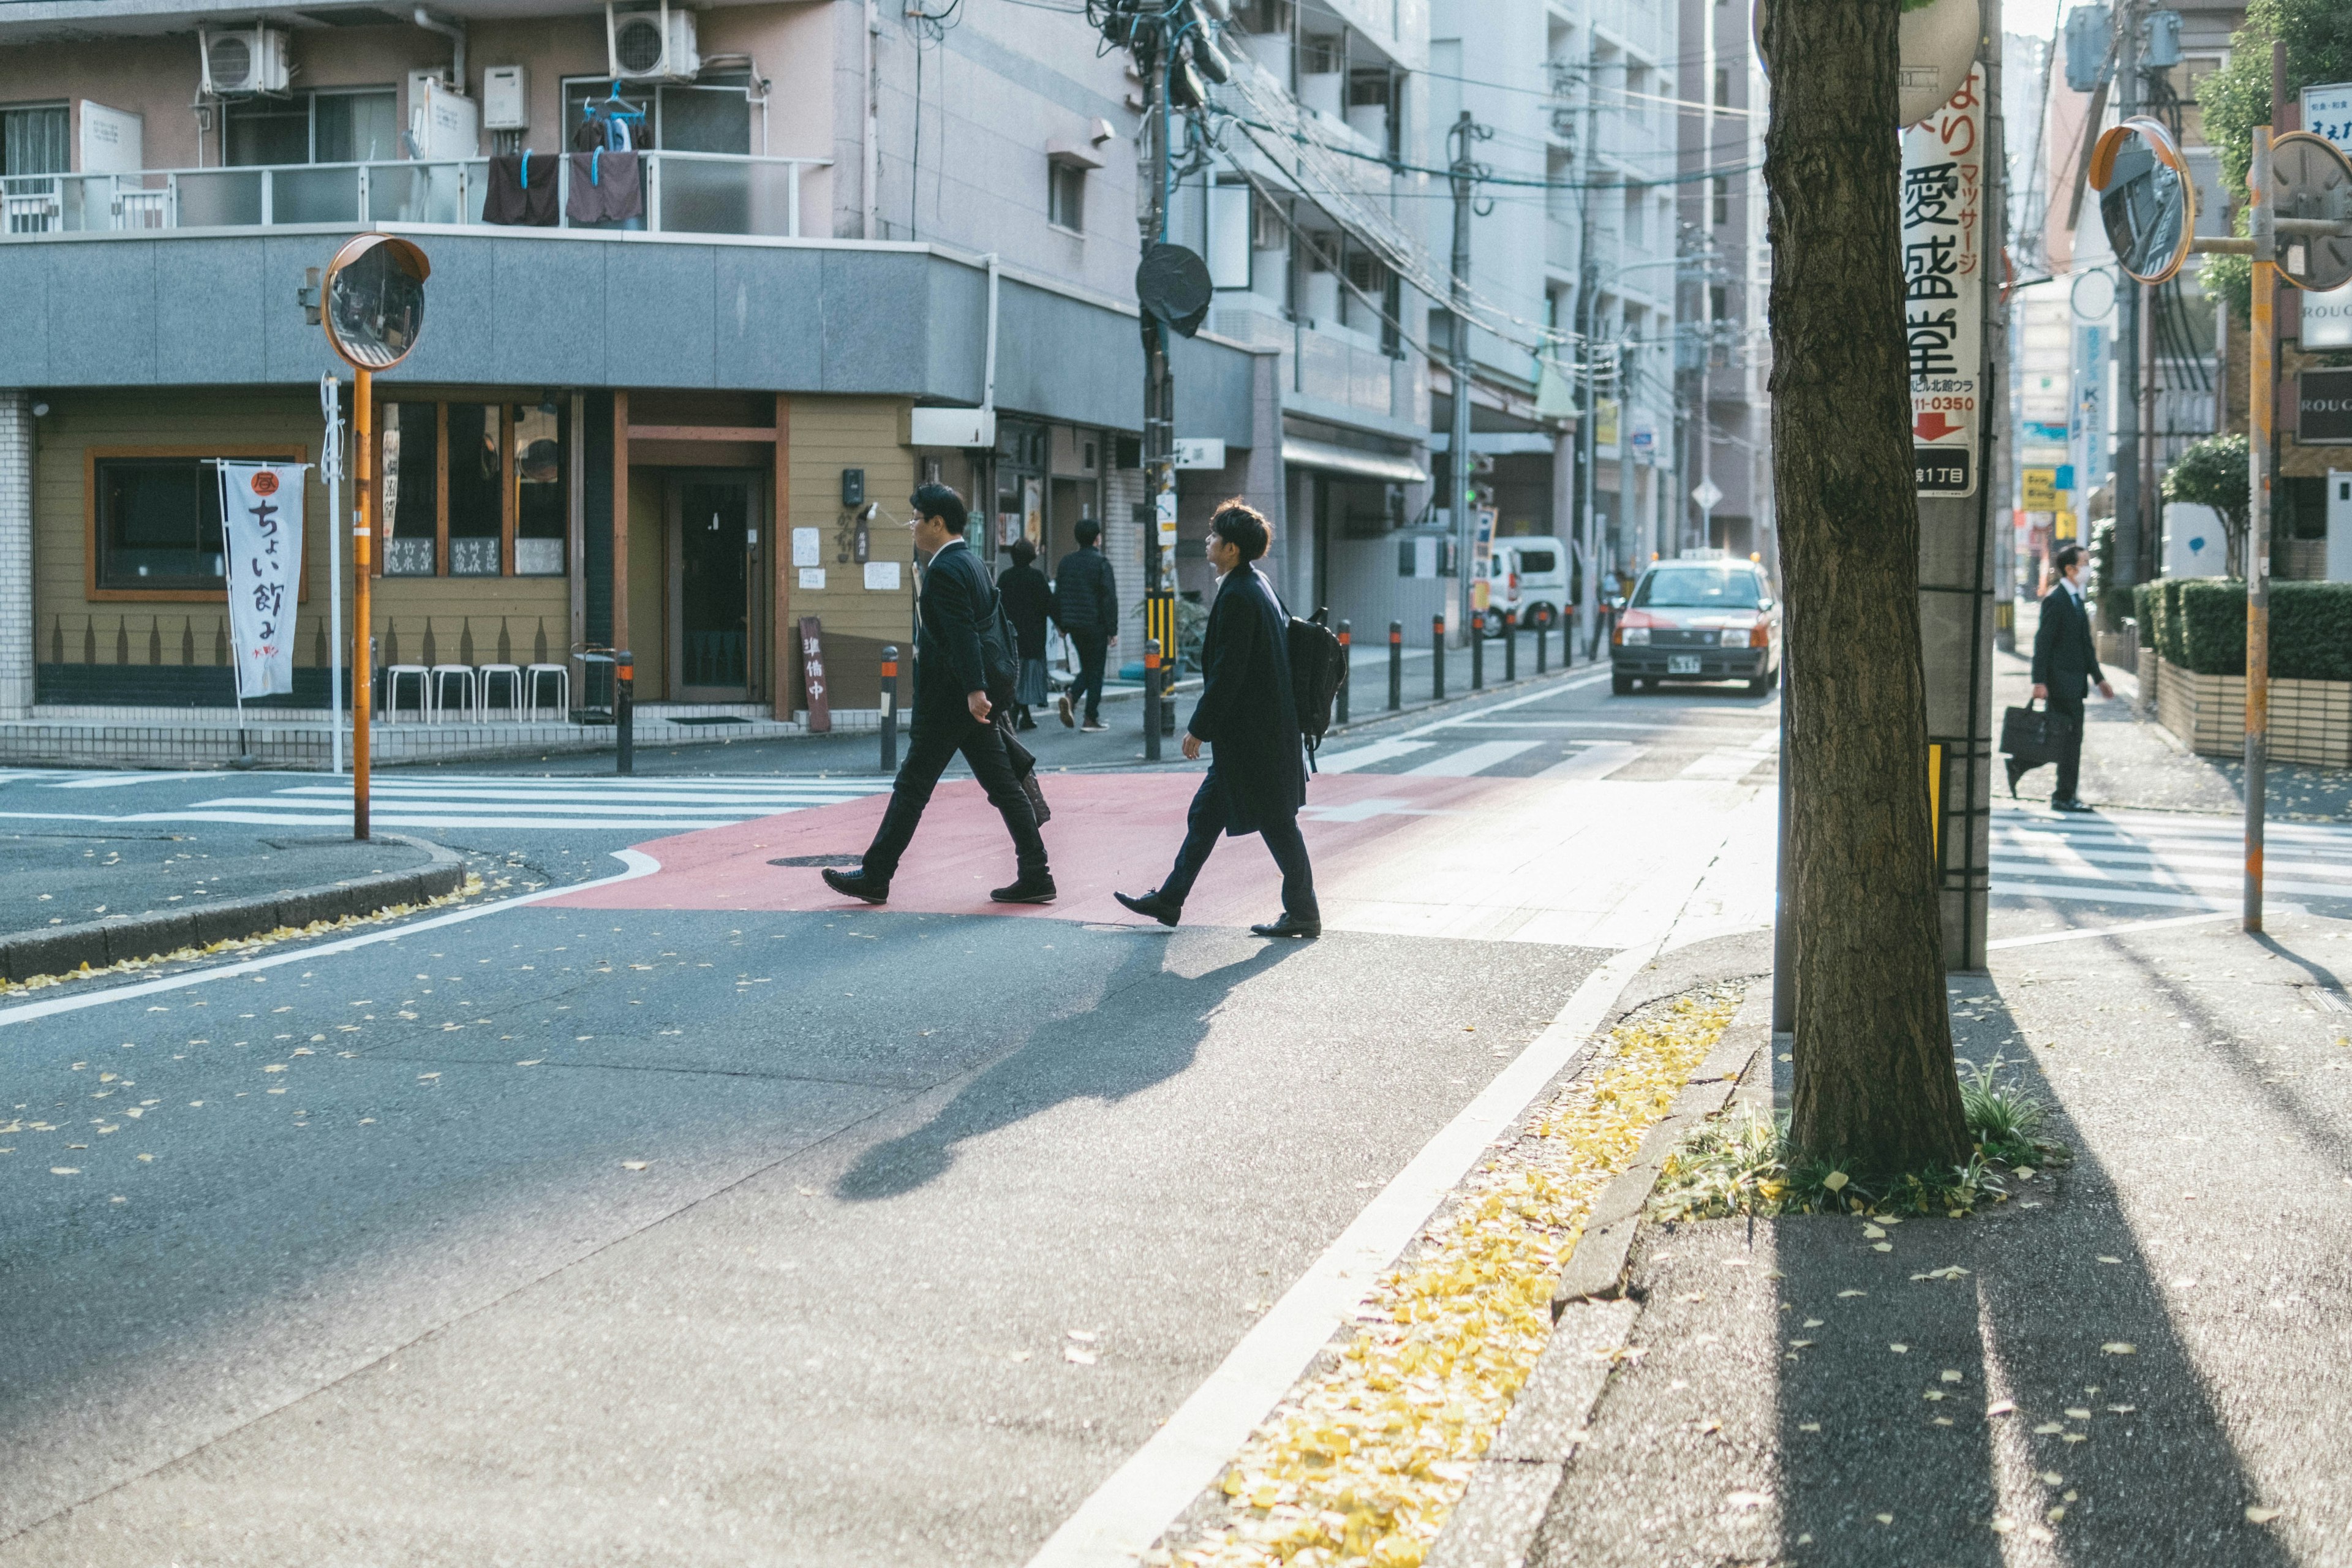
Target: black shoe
858 885
1036 890
2069 804
1289 925
1069 719
1095 726
1154 906
1027 723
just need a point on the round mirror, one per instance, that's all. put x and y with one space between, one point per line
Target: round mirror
374 300
2148 199
2310 178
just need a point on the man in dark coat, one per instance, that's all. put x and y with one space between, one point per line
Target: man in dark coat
1258 777
1086 606
1028 601
951 713
2065 666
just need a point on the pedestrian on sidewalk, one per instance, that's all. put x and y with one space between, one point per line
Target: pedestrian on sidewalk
1086 606
1028 600
2066 666
1258 776
957 608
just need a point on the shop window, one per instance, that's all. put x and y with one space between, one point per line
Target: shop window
462 480
158 523
475 519
412 470
541 515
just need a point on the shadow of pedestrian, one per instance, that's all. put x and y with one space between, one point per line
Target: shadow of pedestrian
1145 1029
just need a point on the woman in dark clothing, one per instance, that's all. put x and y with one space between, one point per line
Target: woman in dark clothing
1028 601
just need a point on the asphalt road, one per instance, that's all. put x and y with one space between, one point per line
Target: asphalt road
344 1255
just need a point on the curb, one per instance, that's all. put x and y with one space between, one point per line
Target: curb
100 943
1511 1488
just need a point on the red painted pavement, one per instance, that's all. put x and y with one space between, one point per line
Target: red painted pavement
1109 832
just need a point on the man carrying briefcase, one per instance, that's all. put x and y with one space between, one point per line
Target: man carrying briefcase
2066 666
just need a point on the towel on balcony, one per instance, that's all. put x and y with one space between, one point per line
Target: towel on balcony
521 191
606 187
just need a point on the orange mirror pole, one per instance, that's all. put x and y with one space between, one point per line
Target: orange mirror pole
362 569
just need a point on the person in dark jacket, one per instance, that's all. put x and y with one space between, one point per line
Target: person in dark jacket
1086 606
1257 775
1028 601
2066 666
951 713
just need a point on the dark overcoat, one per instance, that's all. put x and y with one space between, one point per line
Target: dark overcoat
954 604
1246 713
2066 655
1027 601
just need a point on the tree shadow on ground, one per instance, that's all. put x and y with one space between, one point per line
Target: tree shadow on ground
1145 1027
2109 1456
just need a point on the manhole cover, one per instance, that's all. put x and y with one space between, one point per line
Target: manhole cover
839 862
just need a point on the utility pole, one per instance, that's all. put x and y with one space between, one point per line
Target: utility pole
1463 174
1588 317
2130 300
1158 381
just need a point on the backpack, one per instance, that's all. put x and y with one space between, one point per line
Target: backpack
1318 667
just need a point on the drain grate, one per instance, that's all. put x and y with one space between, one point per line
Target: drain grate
838 862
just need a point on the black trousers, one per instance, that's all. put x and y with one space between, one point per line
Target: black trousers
1206 824
2070 756
1091 647
938 736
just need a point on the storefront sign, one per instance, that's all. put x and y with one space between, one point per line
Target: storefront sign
820 706
2324 407
2328 318
261 505
1943 288
1604 424
1200 452
2041 488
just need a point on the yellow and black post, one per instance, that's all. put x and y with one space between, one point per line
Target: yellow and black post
1160 625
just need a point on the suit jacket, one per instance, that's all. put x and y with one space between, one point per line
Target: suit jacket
1246 712
2065 656
1085 594
1027 601
953 606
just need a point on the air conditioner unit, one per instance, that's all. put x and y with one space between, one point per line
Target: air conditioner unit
653 44
250 60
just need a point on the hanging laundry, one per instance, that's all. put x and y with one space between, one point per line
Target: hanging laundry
521 190
606 187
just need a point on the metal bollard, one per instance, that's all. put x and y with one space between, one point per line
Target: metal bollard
1437 659
1543 636
625 710
1477 650
1347 669
891 709
1510 649
1396 666
1151 699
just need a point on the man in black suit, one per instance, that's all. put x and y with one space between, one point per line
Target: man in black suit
2065 666
1086 606
951 711
1258 779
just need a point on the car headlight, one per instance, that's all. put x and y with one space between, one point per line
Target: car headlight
1729 638
1634 635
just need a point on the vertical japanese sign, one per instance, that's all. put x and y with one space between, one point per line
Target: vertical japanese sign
261 509
1943 288
820 704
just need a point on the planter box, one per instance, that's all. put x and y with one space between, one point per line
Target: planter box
2311 720
2149 665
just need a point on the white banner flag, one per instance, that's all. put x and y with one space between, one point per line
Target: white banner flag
261 507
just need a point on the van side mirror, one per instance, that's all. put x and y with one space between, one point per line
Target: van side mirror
1765 602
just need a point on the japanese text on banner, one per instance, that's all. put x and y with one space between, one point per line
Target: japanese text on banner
261 511
1943 287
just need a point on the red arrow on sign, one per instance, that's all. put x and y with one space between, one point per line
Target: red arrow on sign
1935 426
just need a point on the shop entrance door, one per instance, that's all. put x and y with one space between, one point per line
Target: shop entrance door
714 543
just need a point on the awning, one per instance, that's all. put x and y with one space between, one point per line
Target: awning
1353 461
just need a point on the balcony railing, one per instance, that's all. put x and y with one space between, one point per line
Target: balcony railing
685 193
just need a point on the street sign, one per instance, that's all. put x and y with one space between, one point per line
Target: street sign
2147 198
1200 452
1943 198
2310 178
2327 112
1707 492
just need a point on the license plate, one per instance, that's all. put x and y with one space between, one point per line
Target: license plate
1682 664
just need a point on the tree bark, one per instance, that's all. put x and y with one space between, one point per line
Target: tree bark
1875 1087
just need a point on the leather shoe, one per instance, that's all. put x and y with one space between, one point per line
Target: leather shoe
1152 905
858 885
2070 804
1037 889
1069 721
1289 925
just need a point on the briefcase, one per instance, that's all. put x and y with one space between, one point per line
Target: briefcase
2032 736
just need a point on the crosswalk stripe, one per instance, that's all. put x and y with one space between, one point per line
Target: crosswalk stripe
1356 757
2093 893
2220 881
1721 765
2139 855
1471 761
1597 760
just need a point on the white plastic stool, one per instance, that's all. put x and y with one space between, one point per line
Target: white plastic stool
535 678
445 673
512 675
392 675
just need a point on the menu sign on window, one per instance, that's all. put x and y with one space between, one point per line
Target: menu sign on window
1943 288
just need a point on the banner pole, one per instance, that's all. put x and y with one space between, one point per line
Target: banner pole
362 561
331 393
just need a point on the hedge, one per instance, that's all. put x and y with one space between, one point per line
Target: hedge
2199 625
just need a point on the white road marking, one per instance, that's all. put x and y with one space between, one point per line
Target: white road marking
1144 1496
1472 760
2129 928
1721 765
1349 761
1597 760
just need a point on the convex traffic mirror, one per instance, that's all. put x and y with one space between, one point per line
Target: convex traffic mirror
2310 178
375 300
2148 199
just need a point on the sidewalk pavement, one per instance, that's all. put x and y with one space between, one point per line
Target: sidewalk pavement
2138 1360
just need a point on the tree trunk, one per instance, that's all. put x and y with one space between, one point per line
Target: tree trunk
1875 1087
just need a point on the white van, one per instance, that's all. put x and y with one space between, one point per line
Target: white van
1528 579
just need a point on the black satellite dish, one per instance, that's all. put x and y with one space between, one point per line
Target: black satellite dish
1172 285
